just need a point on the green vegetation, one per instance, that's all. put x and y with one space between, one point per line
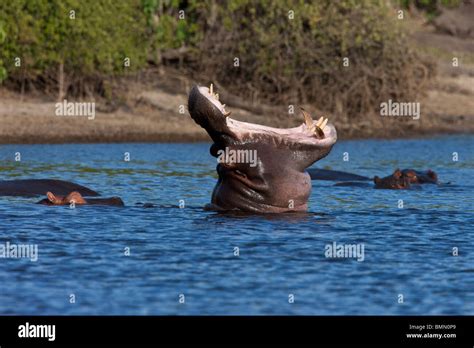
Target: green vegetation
71 42
431 7
288 50
291 51
3 71
168 28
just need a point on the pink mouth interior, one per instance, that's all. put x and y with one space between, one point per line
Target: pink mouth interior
300 134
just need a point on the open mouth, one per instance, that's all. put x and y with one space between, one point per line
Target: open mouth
311 132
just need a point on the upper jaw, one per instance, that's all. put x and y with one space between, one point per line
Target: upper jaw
311 133
212 97
298 135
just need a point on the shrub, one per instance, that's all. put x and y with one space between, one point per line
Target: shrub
289 60
54 43
281 59
3 71
431 7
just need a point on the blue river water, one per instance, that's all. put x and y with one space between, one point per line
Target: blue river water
418 244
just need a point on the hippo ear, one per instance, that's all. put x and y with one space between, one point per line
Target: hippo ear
397 173
75 197
51 197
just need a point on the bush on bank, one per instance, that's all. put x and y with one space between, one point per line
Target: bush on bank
75 41
344 56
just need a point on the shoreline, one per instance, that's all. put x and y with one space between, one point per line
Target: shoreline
190 139
151 114
155 110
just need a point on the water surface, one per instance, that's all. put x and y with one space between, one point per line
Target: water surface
189 251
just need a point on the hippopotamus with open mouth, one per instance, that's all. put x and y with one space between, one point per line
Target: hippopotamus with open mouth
265 171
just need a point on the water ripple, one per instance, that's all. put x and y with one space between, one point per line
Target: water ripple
235 263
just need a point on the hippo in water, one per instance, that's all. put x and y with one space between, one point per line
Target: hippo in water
39 187
261 169
417 177
403 179
77 199
65 192
398 180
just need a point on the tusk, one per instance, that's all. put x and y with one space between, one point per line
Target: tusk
307 118
322 125
211 89
319 132
321 119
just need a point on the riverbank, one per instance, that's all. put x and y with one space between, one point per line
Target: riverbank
151 106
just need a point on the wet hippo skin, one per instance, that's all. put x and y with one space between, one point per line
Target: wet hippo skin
403 179
398 180
76 198
39 187
58 192
335 175
277 180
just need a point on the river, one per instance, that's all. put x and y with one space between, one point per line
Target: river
415 247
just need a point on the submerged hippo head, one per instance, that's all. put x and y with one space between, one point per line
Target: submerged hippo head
76 198
417 177
402 179
396 181
261 169
73 197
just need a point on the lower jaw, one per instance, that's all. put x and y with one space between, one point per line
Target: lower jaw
257 208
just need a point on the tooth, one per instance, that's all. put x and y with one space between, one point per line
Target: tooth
319 121
319 132
307 118
223 106
227 113
217 96
211 89
322 125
